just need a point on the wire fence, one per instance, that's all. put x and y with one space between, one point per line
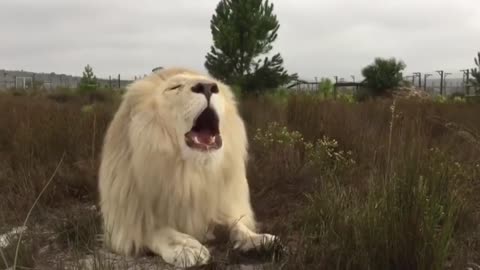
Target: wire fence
29 80
447 84
453 83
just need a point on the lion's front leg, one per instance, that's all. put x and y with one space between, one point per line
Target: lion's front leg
238 216
245 239
178 249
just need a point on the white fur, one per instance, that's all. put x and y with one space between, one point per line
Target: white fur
158 194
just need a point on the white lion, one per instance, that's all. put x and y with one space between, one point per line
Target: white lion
173 166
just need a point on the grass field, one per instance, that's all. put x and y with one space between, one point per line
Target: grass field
372 185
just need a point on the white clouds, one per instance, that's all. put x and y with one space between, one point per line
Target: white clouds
316 38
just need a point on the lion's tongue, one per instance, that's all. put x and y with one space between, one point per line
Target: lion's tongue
204 137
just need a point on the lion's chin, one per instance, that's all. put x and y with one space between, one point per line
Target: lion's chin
205 133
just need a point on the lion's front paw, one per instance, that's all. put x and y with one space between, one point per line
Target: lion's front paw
187 254
256 241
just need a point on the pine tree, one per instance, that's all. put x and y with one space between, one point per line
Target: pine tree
243 31
88 83
475 80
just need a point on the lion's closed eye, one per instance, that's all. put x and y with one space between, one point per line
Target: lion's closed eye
174 87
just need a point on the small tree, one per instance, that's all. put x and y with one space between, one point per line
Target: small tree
383 75
475 80
325 87
242 31
88 83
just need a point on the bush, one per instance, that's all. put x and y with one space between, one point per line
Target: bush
326 87
383 75
321 157
440 99
348 98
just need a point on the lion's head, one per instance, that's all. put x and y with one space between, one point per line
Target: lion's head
199 107
191 107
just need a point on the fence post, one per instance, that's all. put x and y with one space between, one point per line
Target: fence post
335 88
425 76
466 79
441 81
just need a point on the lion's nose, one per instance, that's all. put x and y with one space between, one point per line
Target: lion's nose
205 88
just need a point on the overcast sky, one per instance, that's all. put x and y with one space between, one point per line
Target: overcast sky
316 38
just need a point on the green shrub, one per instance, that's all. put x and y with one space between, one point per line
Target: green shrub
298 157
326 159
348 98
325 87
383 75
459 100
440 99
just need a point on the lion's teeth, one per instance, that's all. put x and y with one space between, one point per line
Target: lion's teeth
212 140
195 140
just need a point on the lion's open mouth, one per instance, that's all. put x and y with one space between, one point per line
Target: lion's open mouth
205 133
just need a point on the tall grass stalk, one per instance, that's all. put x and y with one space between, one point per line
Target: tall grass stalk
390 134
4 258
93 137
31 209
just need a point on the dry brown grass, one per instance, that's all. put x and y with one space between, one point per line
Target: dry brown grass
370 214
